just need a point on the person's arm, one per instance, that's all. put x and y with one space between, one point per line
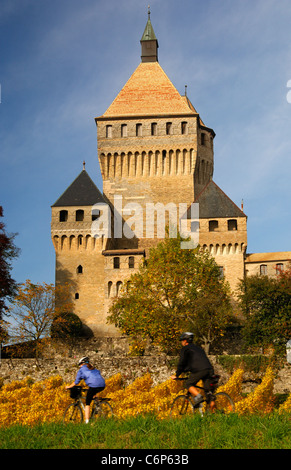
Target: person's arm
77 380
181 365
71 385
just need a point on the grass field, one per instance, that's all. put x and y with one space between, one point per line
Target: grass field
254 431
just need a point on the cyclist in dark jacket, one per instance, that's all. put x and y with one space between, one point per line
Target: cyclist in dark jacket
194 360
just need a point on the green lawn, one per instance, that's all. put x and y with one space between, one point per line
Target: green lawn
211 432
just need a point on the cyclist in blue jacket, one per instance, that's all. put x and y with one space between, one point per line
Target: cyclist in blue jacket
93 379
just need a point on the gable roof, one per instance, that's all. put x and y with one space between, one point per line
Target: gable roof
148 91
82 192
215 204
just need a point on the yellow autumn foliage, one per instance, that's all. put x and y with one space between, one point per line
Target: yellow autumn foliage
28 403
261 399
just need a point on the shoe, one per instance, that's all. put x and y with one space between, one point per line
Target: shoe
198 401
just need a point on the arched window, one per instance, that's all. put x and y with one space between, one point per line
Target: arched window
109 289
80 269
63 216
116 262
77 296
79 215
118 287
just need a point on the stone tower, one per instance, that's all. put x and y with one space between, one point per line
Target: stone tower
153 149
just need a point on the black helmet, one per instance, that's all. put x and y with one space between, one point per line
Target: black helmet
84 360
188 336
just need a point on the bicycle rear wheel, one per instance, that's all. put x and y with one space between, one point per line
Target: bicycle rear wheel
101 409
182 406
73 414
223 403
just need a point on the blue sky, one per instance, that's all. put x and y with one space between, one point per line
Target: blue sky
63 62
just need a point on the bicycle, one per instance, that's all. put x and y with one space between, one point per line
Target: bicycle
214 402
74 413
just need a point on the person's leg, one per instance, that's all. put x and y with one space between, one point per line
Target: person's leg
89 398
190 384
87 413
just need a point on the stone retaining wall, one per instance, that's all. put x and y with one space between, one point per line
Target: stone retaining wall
110 356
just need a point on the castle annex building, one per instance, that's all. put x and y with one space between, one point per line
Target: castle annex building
153 149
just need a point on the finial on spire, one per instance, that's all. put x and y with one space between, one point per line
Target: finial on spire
149 42
185 90
84 163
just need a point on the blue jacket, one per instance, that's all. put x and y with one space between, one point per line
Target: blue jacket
92 377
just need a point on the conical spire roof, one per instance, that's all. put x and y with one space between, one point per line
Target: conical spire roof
149 34
82 192
214 203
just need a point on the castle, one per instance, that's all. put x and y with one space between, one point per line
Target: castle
154 151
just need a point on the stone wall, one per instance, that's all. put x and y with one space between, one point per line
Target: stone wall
109 355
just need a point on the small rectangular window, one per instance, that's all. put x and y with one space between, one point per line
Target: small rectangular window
154 127
63 216
184 128
79 215
109 131
263 270
138 130
116 262
279 268
213 225
123 130
232 224
169 128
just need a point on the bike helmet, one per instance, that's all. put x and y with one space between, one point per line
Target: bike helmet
188 336
84 360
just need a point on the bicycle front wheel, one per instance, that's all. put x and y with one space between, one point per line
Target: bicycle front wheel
73 414
223 403
181 406
103 409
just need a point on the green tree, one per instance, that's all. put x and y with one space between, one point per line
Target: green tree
174 290
266 304
8 286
